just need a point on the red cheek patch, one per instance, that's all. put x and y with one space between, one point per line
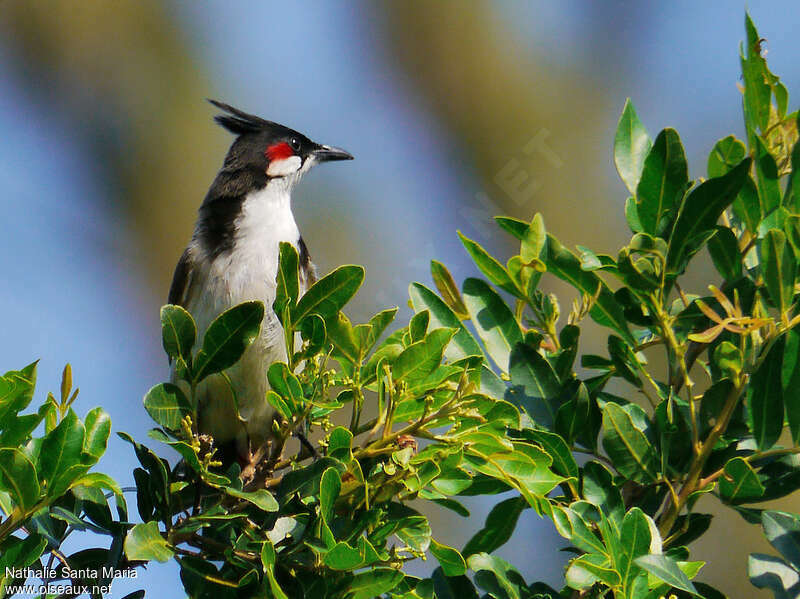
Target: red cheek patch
279 151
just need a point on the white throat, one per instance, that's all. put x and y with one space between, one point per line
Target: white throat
266 219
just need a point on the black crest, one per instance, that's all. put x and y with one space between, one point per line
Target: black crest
239 122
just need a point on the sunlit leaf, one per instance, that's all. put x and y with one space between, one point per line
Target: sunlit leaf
605 309
666 570
765 394
489 266
448 289
627 446
178 332
144 542
496 325
739 482
167 405
18 477
227 337
779 266
328 295
699 212
663 180
631 145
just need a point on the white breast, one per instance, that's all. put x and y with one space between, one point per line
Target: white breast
246 272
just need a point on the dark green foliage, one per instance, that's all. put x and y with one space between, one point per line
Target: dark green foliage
485 391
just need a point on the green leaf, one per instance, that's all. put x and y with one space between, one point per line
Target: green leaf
599 489
19 431
448 289
563 461
144 542
463 343
666 570
167 405
782 530
343 557
726 154
746 206
699 212
449 559
489 266
98 480
724 250
631 145
664 178
498 528
415 532
605 310
578 420
288 288
18 477
778 264
20 553
534 240
790 382
339 444
757 92
16 392
769 191
728 359
795 179
573 527
791 226
268 565
635 540
418 325
534 385
765 395
98 427
496 325
739 482
313 333
632 215
627 446
420 359
329 487
261 498
227 337
527 468
285 383
518 228
589 569
497 576
626 364
61 449
178 333
372 583
329 295
341 333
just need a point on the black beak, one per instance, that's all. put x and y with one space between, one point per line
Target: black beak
329 154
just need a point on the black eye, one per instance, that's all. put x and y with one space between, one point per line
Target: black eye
294 143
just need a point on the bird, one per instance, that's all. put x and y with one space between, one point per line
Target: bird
232 257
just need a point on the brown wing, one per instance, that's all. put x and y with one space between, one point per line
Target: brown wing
181 280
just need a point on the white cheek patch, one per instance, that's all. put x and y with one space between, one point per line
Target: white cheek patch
283 167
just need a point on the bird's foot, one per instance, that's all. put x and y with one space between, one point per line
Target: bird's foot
251 464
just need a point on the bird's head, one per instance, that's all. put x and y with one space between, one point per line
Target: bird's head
270 150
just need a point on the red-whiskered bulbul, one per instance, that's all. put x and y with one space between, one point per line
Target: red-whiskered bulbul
233 257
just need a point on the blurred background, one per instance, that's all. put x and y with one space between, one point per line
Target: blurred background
455 112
